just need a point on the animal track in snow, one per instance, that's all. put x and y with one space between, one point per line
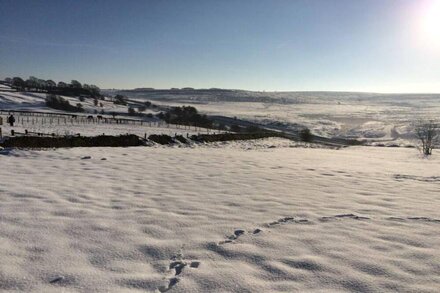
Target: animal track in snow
286 220
401 177
424 219
176 266
56 279
343 216
239 232
421 219
231 238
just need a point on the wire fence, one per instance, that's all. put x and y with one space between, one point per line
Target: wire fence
55 124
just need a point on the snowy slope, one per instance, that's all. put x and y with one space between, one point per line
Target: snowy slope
27 101
36 102
219 220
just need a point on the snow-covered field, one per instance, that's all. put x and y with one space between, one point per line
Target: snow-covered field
27 101
378 118
69 126
263 219
369 116
31 101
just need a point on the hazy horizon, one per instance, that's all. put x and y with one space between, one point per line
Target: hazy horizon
339 46
278 91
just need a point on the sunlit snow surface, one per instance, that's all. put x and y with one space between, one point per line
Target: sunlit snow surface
269 218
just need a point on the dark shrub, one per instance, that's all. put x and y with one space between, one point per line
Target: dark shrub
235 128
120 100
185 115
180 138
161 139
253 128
305 135
73 141
221 126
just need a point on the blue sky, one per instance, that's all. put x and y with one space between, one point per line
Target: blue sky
347 45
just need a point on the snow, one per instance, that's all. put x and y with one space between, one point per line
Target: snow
376 118
268 218
36 102
72 126
66 125
368 116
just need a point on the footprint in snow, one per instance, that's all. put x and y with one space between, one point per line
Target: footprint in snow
286 220
56 279
177 265
343 216
231 238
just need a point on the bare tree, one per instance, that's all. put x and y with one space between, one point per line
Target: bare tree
428 132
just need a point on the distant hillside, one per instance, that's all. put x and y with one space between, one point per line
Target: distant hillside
190 95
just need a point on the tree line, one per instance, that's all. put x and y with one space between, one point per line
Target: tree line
50 86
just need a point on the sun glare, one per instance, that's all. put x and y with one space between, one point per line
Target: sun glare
430 24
